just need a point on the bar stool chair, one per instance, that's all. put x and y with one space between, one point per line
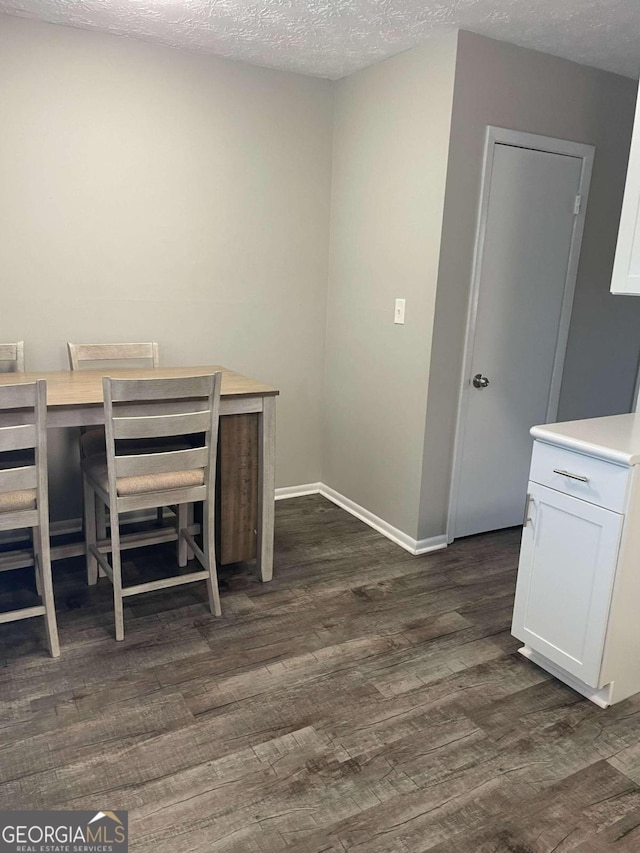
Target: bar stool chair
12 356
162 409
24 501
81 356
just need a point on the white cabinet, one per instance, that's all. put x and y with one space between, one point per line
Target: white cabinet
578 590
565 578
626 267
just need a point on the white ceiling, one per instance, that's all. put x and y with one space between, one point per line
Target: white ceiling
331 38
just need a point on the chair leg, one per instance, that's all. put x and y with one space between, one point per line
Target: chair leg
90 532
43 559
116 566
160 516
181 523
37 563
190 520
209 549
101 519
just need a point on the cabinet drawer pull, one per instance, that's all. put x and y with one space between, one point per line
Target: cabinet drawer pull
570 475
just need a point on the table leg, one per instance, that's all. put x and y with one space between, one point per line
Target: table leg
266 486
237 488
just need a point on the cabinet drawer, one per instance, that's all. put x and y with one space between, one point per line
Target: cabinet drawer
594 480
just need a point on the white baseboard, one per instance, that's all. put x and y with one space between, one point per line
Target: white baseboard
298 491
431 543
413 546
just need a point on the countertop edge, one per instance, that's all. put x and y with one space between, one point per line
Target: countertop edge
609 454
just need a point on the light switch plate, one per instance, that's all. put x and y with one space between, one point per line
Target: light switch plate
398 314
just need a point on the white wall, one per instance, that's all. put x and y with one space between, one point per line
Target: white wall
151 193
392 125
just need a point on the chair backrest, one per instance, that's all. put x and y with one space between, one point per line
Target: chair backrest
12 356
23 412
80 353
162 409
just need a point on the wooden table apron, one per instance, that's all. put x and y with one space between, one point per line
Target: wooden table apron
246 478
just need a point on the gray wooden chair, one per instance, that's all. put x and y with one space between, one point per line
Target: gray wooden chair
159 409
12 357
92 440
111 356
24 501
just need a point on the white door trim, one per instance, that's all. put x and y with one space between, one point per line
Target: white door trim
495 136
635 401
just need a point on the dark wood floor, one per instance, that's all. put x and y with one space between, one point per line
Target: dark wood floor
366 700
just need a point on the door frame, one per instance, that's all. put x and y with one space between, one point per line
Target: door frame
502 136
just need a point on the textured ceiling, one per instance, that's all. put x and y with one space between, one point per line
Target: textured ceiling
331 38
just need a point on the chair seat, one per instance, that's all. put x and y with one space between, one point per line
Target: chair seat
22 499
95 467
17 501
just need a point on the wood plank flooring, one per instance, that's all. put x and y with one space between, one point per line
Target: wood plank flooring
364 701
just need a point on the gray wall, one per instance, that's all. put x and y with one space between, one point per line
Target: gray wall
151 193
391 134
507 86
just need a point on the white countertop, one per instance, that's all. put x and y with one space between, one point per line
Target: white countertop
615 438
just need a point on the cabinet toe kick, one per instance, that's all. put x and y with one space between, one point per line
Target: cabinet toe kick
600 696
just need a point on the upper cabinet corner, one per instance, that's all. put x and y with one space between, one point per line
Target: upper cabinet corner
626 267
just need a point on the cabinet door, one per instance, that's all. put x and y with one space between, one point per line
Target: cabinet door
565 578
626 267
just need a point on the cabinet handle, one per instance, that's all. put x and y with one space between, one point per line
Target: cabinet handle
570 475
526 518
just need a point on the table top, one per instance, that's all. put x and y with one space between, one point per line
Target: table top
615 438
84 387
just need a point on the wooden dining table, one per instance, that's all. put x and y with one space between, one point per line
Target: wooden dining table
246 476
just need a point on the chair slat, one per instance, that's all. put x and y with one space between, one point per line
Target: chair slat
123 390
14 353
19 519
148 500
165 583
18 396
7 352
157 426
161 407
162 463
24 613
112 352
17 479
20 437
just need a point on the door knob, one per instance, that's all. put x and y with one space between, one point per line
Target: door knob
480 381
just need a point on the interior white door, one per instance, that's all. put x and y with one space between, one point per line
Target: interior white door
526 249
565 577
